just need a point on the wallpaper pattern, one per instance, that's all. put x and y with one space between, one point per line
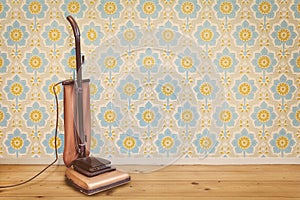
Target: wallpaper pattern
245 106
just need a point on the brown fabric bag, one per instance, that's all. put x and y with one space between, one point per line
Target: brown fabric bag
70 146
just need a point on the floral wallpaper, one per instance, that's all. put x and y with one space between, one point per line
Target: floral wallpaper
168 79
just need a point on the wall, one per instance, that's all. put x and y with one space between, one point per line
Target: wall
249 112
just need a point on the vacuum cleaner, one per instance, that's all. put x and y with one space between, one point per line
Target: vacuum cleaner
85 173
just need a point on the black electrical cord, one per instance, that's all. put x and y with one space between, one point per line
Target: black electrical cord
55 145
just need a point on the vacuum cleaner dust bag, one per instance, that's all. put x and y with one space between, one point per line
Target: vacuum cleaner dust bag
71 136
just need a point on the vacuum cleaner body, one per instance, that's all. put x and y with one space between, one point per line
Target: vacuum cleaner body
85 173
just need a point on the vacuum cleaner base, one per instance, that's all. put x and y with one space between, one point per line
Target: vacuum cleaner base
96 184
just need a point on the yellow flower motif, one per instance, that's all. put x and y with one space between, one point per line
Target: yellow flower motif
265 7
57 89
187 8
74 7
205 142
167 89
35 7
244 89
148 116
263 115
129 143
1 116
282 142
226 7
245 35
187 116
283 89
1 62
110 116
93 142
110 8
205 89
167 142
16 35
264 62
129 35
35 116
297 116
168 35
284 35
1 7
148 62
54 35
187 62
92 35
93 89
16 89
149 8
72 62
225 115
244 142
52 142
225 62
17 143
206 35
129 89
110 62
297 61
35 62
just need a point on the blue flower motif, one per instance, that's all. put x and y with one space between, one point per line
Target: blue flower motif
244 142
295 115
244 88
129 35
226 8
34 8
148 115
129 142
284 34
206 88
75 8
110 115
96 143
282 142
187 61
4 62
35 61
295 9
5 8
92 34
110 9
295 61
187 8
264 61
4 116
16 88
263 115
167 88
168 142
149 8
266 8
35 115
49 143
95 88
149 61
226 61
17 142
207 34
129 88
225 115
16 34
206 142
168 34
69 62
110 61
283 88
187 115
245 34
48 88
54 34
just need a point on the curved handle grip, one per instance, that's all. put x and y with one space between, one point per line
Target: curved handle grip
74 25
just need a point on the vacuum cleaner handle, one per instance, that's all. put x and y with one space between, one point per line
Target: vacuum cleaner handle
80 123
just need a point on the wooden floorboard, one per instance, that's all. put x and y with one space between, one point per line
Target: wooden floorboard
173 182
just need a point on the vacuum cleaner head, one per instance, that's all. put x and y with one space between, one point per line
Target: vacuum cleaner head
96 184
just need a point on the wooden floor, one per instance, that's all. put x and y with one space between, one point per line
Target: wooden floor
174 182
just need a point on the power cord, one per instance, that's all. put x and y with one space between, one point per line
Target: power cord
55 145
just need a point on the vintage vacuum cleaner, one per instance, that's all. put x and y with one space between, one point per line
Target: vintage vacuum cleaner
85 173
